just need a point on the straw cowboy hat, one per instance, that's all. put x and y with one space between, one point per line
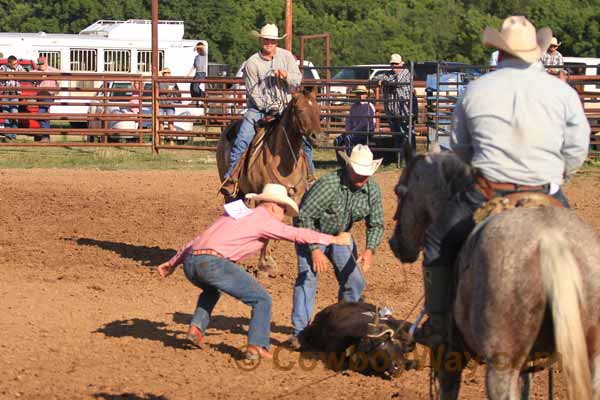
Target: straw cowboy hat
165 71
269 31
554 42
361 160
278 194
362 89
396 59
519 38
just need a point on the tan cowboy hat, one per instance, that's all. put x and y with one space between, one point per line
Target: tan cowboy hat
519 38
278 194
362 89
165 71
554 42
396 59
269 31
361 160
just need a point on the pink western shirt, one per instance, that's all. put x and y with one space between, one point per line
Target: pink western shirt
235 239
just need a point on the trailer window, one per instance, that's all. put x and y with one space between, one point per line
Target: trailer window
84 60
144 60
117 60
53 58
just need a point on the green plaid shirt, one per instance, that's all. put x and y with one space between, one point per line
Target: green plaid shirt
331 207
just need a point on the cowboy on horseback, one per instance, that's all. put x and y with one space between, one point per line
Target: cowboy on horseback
270 77
531 135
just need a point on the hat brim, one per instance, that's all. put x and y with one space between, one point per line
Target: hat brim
291 208
257 35
362 91
361 169
493 38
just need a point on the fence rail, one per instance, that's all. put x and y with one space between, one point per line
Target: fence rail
89 109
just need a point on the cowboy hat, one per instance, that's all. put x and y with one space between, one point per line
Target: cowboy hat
269 31
361 160
554 42
165 71
396 59
278 194
519 38
362 89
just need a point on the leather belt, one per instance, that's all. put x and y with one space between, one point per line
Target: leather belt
207 252
488 188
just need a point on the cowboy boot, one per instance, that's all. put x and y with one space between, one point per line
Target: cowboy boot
437 288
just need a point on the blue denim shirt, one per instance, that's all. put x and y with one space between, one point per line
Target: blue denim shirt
519 124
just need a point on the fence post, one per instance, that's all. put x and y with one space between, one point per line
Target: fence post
155 137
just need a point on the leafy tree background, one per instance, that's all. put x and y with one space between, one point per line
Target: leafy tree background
362 31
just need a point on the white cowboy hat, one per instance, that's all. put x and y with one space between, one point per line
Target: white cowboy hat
278 194
519 38
362 89
361 160
396 59
554 42
269 31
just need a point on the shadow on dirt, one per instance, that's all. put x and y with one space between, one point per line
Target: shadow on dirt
148 256
128 396
144 329
236 325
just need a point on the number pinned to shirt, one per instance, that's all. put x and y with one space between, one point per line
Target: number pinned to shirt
237 209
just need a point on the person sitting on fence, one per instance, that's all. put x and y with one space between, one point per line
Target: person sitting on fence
48 85
552 59
360 123
167 106
210 262
270 76
10 89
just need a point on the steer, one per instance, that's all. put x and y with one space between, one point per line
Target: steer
364 340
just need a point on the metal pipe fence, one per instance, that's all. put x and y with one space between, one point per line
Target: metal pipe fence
114 109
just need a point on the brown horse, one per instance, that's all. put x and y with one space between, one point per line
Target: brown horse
528 284
280 157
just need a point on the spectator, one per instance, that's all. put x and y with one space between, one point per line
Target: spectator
10 89
199 70
396 96
552 59
168 89
331 206
50 85
360 123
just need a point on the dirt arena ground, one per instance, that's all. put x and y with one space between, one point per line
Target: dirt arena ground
84 315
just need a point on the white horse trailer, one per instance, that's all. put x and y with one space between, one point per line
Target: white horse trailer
107 46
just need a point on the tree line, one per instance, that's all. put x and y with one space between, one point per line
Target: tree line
362 31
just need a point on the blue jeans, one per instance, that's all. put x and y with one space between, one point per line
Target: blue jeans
400 125
215 275
44 123
13 109
246 134
349 277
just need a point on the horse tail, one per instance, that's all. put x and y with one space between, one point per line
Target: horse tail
564 288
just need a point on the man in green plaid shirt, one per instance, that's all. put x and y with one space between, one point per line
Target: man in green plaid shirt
331 206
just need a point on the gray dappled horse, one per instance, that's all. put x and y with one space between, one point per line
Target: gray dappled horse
279 158
528 283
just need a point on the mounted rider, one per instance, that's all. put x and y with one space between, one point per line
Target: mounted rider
528 138
271 75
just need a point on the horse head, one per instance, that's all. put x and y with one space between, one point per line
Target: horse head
424 188
307 115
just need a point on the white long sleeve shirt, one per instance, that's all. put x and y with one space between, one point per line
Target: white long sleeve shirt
521 125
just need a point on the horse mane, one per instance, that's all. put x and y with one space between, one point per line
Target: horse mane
457 174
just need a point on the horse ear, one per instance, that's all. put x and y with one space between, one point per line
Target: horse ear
310 91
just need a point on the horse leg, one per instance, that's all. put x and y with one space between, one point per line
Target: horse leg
266 263
449 375
502 383
525 383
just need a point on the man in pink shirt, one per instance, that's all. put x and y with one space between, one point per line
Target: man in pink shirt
209 262
51 85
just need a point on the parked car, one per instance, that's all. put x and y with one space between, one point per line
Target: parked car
123 89
27 105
